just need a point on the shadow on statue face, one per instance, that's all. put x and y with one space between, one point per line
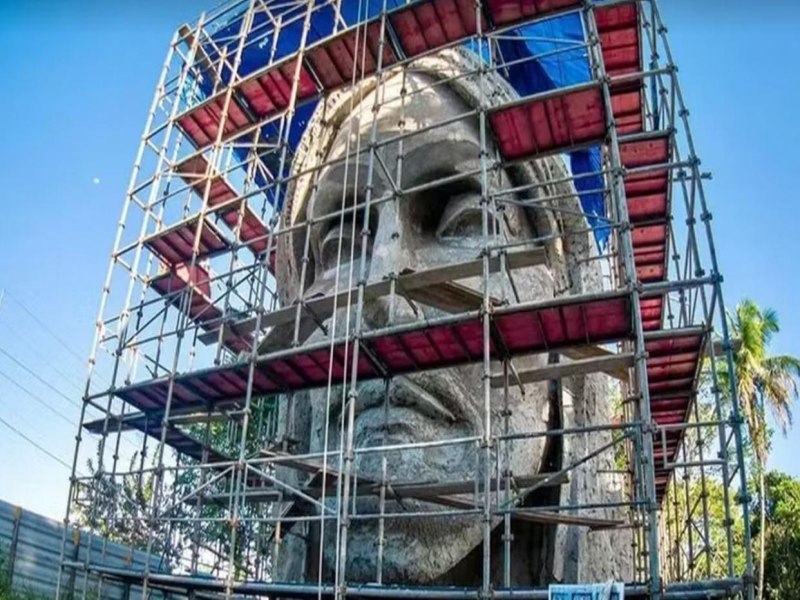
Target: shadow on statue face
443 225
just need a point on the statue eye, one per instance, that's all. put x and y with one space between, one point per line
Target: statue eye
462 219
341 242
343 237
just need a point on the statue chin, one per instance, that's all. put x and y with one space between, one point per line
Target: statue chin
416 551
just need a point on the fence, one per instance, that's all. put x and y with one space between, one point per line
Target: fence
31 546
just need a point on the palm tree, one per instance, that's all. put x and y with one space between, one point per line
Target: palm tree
763 381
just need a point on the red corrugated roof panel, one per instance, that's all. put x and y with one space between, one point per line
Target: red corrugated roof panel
506 12
202 309
523 329
176 244
426 26
618 26
269 92
552 123
201 123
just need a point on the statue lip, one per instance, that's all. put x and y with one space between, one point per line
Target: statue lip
413 406
426 396
406 392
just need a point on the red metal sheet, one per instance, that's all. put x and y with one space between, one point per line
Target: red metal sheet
672 365
553 123
345 59
270 91
201 123
534 328
626 106
649 235
672 345
176 245
618 27
426 26
669 418
663 405
651 207
201 309
253 232
194 171
506 12
649 255
646 151
646 192
671 371
652 313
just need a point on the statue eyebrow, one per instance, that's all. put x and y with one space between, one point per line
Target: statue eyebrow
426 163
440 158
328 202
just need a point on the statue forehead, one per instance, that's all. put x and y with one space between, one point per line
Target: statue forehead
425 105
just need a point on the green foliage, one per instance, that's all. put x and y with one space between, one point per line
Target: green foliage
7 592
782 539
685 513
763 381
120 506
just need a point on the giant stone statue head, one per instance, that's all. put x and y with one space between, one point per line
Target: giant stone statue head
436 226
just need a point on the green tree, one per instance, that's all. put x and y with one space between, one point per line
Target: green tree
763 381
118 506
697 552
782 536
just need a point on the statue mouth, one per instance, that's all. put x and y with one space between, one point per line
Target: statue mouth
392 425
406 410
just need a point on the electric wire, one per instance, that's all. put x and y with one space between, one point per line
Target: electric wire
50 332
34 444
40 354
36 376
41 401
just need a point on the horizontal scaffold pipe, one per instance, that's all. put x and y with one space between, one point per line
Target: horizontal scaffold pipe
715 588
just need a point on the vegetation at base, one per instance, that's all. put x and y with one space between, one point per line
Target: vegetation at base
7 592
119 507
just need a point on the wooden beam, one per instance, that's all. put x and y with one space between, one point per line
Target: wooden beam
432 490
320 303
537 516
449 297
612 364
186 33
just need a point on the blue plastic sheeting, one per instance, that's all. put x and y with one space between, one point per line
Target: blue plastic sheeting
550 55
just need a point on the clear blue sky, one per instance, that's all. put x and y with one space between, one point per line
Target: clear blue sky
78 81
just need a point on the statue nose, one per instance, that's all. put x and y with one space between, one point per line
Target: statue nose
387 310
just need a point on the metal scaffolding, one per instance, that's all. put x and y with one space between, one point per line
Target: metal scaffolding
248 269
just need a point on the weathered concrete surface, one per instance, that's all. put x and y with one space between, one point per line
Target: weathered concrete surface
418 232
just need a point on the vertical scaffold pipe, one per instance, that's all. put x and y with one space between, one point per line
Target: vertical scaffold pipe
626 251
486 440
184 308
157 96
349 454
736 418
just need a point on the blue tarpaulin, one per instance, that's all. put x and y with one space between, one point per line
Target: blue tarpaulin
558 60
544 55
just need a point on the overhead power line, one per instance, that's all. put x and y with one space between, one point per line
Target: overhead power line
41 401
44 326
34 444
36 350
35 375
5 293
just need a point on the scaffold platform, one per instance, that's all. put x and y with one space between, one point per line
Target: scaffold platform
229 301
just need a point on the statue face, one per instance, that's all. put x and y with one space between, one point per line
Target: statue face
439 226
